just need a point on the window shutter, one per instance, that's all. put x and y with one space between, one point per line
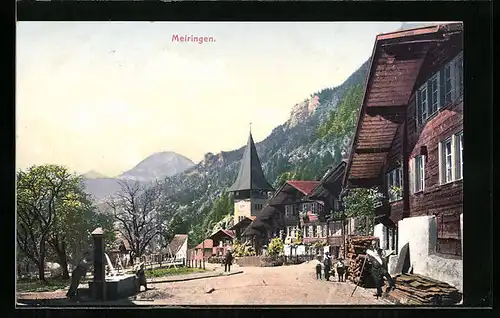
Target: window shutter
453 157
417 107
440 163
453 79
429 98
412 176
441 89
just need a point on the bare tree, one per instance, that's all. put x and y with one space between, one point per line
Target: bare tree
140 214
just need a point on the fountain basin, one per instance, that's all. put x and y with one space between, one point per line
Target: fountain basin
119 286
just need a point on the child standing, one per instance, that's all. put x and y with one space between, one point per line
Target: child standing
340 269
319 267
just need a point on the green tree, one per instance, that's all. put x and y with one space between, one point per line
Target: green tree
221 208
361 203
51 207
341 124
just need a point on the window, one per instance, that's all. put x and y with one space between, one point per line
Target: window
451 158
422 104
318 231
448 161
394 184
434 94
314 231
314 207
336 205
290 210
324 230
306 231
419 173
440 89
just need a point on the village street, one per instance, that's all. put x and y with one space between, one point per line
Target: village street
282 285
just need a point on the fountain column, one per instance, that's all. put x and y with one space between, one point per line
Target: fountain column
99 290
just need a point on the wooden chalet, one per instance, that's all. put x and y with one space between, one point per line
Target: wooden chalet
280 217
204 250
329 191
222 240
409 134
241 226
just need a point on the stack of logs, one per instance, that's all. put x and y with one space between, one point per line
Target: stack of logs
420 290
356 247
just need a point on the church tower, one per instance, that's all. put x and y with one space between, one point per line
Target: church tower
251 187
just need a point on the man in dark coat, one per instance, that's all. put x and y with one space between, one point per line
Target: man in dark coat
141 277
77 274
228 261
327 262
379 270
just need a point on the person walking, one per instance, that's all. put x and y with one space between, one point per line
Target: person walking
327 262
228 261
379 270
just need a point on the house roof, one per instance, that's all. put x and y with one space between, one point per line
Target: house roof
331 183
243 223
208 244
257 227
250 175
396 62
176 243
223 232
303 186
267 219
292 191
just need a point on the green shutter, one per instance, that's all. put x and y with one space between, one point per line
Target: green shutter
417 107
441 89
429 98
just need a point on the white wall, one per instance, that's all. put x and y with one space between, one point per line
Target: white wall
380 232
182 253
421 234
300 250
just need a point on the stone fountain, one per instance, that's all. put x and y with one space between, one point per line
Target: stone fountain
113 286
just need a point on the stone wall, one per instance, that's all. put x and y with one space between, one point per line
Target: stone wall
248 261
421 234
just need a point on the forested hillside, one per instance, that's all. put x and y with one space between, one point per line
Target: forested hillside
313 139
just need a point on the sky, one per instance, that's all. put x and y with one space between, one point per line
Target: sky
105 95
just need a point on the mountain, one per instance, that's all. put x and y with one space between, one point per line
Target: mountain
155 167
292 149
158 166
92 174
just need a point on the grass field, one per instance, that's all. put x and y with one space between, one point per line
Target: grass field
160 272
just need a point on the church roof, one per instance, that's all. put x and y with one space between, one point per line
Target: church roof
250 176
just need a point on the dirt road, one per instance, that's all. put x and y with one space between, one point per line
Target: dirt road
284 285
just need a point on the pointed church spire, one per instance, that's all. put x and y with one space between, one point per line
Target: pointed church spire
250 175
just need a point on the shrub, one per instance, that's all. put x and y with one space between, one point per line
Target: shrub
276 247
299 237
